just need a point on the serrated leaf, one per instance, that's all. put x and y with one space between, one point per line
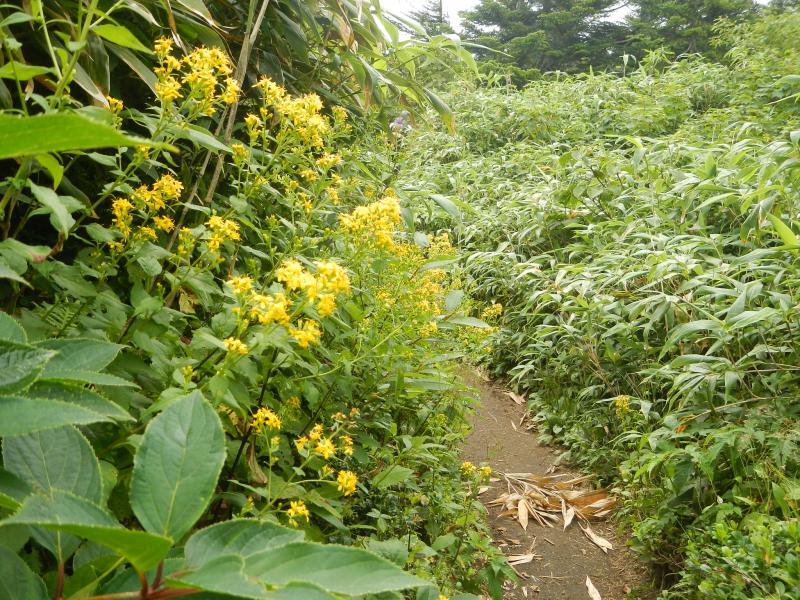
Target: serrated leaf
11 330
88 377
391 476
224 575
58 459
20 365
79 354
67 513
81 397
335 569
17 581
242 537
24 414
176 467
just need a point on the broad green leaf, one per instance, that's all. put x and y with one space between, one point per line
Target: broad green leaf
57 132
13 490
68 513
447 205
11 330
24 414
57 459
787 235
224 575
391 476
120 36
53 167
7 272
20 365
176 467
242 537
79 396
468 321
336 569
17 581
681 331
79 354
89 377
60 217
298 591
21 71
441 107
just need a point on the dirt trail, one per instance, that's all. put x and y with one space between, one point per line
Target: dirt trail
567 557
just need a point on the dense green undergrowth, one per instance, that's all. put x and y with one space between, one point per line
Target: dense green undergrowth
223 368
640 233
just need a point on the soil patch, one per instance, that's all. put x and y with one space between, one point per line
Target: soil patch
500 439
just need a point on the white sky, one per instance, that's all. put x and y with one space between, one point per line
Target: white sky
451 7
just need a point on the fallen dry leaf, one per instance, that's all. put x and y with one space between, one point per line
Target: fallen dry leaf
522 514
516 397
521 559
593 593
597 540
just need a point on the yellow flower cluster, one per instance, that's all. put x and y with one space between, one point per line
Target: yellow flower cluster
429 329
439 244
467 468
269 308
297 510
235 346
325 448
302 114
493 311
622 404
221 230
347 482
264 417
241 284
347 444
121 209
206 72
308 333
330 279
374 223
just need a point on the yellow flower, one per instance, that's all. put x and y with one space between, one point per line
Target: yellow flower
270 309
239 153
241 284
168 187
301 443
325 471
265 417
326 305
147 233
293 402
325 448
231 93
121 208
308 174
308 333
164 223
254 124
332 277
271 91
168 89
347 444
443 597
162 47
374 223
339 114
467 468
315 433
297 510
235 345
347 481
114 105
622 404
222 229
486 471
429 329
327 160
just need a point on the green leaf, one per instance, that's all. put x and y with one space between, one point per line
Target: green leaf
68 513
12 490
681 331
242 537
447 205
23 414
120 36
298 591
176 467
53 167
79 396
441 107
57 132
11 330
224 575
20 365
88 377
57 459
336 569
21 71
60 217
7 272
468 321
787 235
391 476
17 581
79 354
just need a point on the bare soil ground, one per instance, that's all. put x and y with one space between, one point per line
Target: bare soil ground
566 557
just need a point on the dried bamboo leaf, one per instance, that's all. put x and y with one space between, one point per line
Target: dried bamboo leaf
593 593
522 514
597 540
